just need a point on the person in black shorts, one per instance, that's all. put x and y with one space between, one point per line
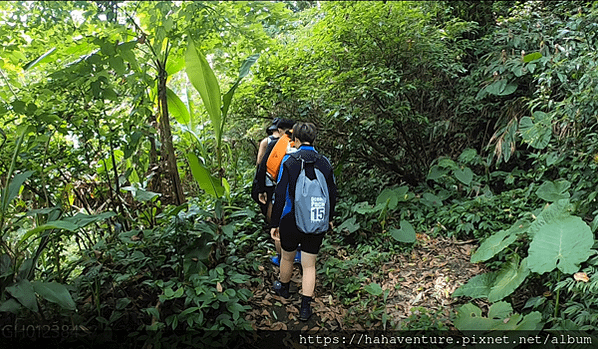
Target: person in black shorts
283 224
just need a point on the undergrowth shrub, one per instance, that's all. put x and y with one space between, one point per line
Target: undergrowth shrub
186 274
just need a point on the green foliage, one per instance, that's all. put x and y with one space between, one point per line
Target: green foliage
581 304
423 320
557 240
204 80
498 242
175 266
508 279
500 319
575 241
383 212
486 109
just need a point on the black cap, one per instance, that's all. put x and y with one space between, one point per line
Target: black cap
286 123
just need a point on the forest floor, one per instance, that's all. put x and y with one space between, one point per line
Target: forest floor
423 279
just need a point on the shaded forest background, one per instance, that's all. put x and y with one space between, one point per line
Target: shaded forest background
129 132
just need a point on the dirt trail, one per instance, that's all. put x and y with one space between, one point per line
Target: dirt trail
425 278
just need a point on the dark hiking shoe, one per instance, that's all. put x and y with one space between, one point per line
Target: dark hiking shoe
305 311
282 289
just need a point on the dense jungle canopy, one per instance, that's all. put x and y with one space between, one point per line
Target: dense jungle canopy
462 134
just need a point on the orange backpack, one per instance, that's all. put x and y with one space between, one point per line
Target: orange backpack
275 158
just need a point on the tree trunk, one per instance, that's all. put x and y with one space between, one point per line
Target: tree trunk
168 159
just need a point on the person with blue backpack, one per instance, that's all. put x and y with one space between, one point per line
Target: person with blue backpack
304 202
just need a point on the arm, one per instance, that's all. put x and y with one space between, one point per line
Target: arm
262 150
280 195
261 169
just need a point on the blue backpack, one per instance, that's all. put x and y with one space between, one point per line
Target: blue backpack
312 203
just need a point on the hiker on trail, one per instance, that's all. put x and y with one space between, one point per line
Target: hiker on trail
267 173
273 135
292 227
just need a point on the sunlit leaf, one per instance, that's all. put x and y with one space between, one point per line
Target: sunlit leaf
40 59
498 242
206 181
13 189
203 79
478 286
532 57
177 108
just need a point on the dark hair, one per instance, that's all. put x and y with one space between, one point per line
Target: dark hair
285 124
305 132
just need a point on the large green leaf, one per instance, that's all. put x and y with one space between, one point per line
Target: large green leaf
552 213
351 225
177 108
465 175
405 234
206 181
431 200
60 225
55 293
73 223
501 88
498 242
532 57
554 190
510 276
23 291
536 131
11 306
203 79
388 196
13 189
563 244
436 172
478 286
140 194
500 320
82 219
469 318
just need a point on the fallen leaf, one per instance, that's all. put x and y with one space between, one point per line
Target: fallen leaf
581 276
277 326
219 286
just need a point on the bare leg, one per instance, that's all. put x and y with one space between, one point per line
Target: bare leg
308 263
286 266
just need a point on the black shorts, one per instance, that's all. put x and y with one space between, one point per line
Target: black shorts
291 237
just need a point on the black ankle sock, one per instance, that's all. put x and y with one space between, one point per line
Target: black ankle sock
286 285
306 300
